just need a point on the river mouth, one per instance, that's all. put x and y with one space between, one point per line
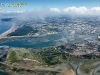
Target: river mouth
31 42
4 26
41 41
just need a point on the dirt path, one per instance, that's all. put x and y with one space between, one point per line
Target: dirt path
68 71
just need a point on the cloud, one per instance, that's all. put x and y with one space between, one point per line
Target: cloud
95 11
55 10
77 10
17 11
25 15
82 10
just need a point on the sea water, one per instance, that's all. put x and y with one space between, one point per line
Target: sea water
4 26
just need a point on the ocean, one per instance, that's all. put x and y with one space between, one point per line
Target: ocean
4 27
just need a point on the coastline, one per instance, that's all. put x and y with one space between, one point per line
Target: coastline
4 35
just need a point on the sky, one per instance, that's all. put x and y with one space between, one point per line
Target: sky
90 7
60 4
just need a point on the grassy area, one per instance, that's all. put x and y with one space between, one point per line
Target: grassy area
48 56
13 58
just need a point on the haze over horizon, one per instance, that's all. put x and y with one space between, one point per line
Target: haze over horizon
53 7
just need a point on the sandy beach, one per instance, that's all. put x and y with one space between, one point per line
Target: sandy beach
4 35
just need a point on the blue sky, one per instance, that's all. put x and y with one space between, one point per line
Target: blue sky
61 4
